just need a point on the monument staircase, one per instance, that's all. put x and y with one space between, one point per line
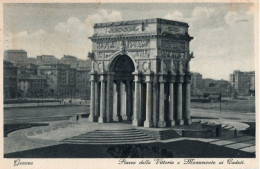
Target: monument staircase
125 136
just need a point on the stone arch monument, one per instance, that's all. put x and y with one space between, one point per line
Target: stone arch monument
140 72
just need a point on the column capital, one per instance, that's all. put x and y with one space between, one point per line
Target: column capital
180 79
137 76
102 77
187 78
172 78
162 77
92 77
148 77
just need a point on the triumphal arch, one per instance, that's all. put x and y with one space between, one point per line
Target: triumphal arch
140 72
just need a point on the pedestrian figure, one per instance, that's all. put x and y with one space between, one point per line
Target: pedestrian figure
235 133
77 117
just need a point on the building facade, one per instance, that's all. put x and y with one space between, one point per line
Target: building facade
15 56
10 80
242 83
61 80
83 83
196 84
32 86
47 59
140 72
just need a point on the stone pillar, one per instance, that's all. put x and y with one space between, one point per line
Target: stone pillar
187 100
102 116
109 98
171 105
162 81
137 106
128 99
97 99
116 107
148 119
92 117
123 101
155 101
179 101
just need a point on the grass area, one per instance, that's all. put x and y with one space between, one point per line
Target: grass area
178 149
228 105
8 128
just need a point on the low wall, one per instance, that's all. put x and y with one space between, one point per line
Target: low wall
197 133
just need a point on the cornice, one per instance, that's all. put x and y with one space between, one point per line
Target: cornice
139 36
146 21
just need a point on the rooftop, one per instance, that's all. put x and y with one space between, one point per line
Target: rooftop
132 22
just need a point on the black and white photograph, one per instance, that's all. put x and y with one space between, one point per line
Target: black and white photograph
149 82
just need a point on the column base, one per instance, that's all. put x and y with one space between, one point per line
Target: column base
92 119
188 121
117 118
136 123
172 123
161 124
125 117
148 124
180 122
101 119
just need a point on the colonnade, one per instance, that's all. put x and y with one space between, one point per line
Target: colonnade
149 100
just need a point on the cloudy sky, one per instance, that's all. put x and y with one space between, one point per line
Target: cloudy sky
223 33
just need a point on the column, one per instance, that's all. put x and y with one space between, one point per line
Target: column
136 120
179 102
187 102
155 101
116 107
171 105
109 105
128 99
102 116
123 101
162 122
97 99
91 117
148 119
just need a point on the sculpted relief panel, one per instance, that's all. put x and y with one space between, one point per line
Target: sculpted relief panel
172 55
137 48
123 29
171 29
172 45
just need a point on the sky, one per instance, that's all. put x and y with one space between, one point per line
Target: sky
223 32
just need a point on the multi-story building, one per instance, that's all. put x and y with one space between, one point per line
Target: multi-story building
199 86
196 84
216 86
10 80
242 82
31 60
47 59
32 85
70 60
61 79
27 69
15 56
83 83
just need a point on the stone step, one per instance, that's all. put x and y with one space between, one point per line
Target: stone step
99 136
111 135
112 138
106 137
106 141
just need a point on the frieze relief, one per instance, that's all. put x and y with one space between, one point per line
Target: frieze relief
172 29
171 45
172 55
123 29
140 54
117 45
